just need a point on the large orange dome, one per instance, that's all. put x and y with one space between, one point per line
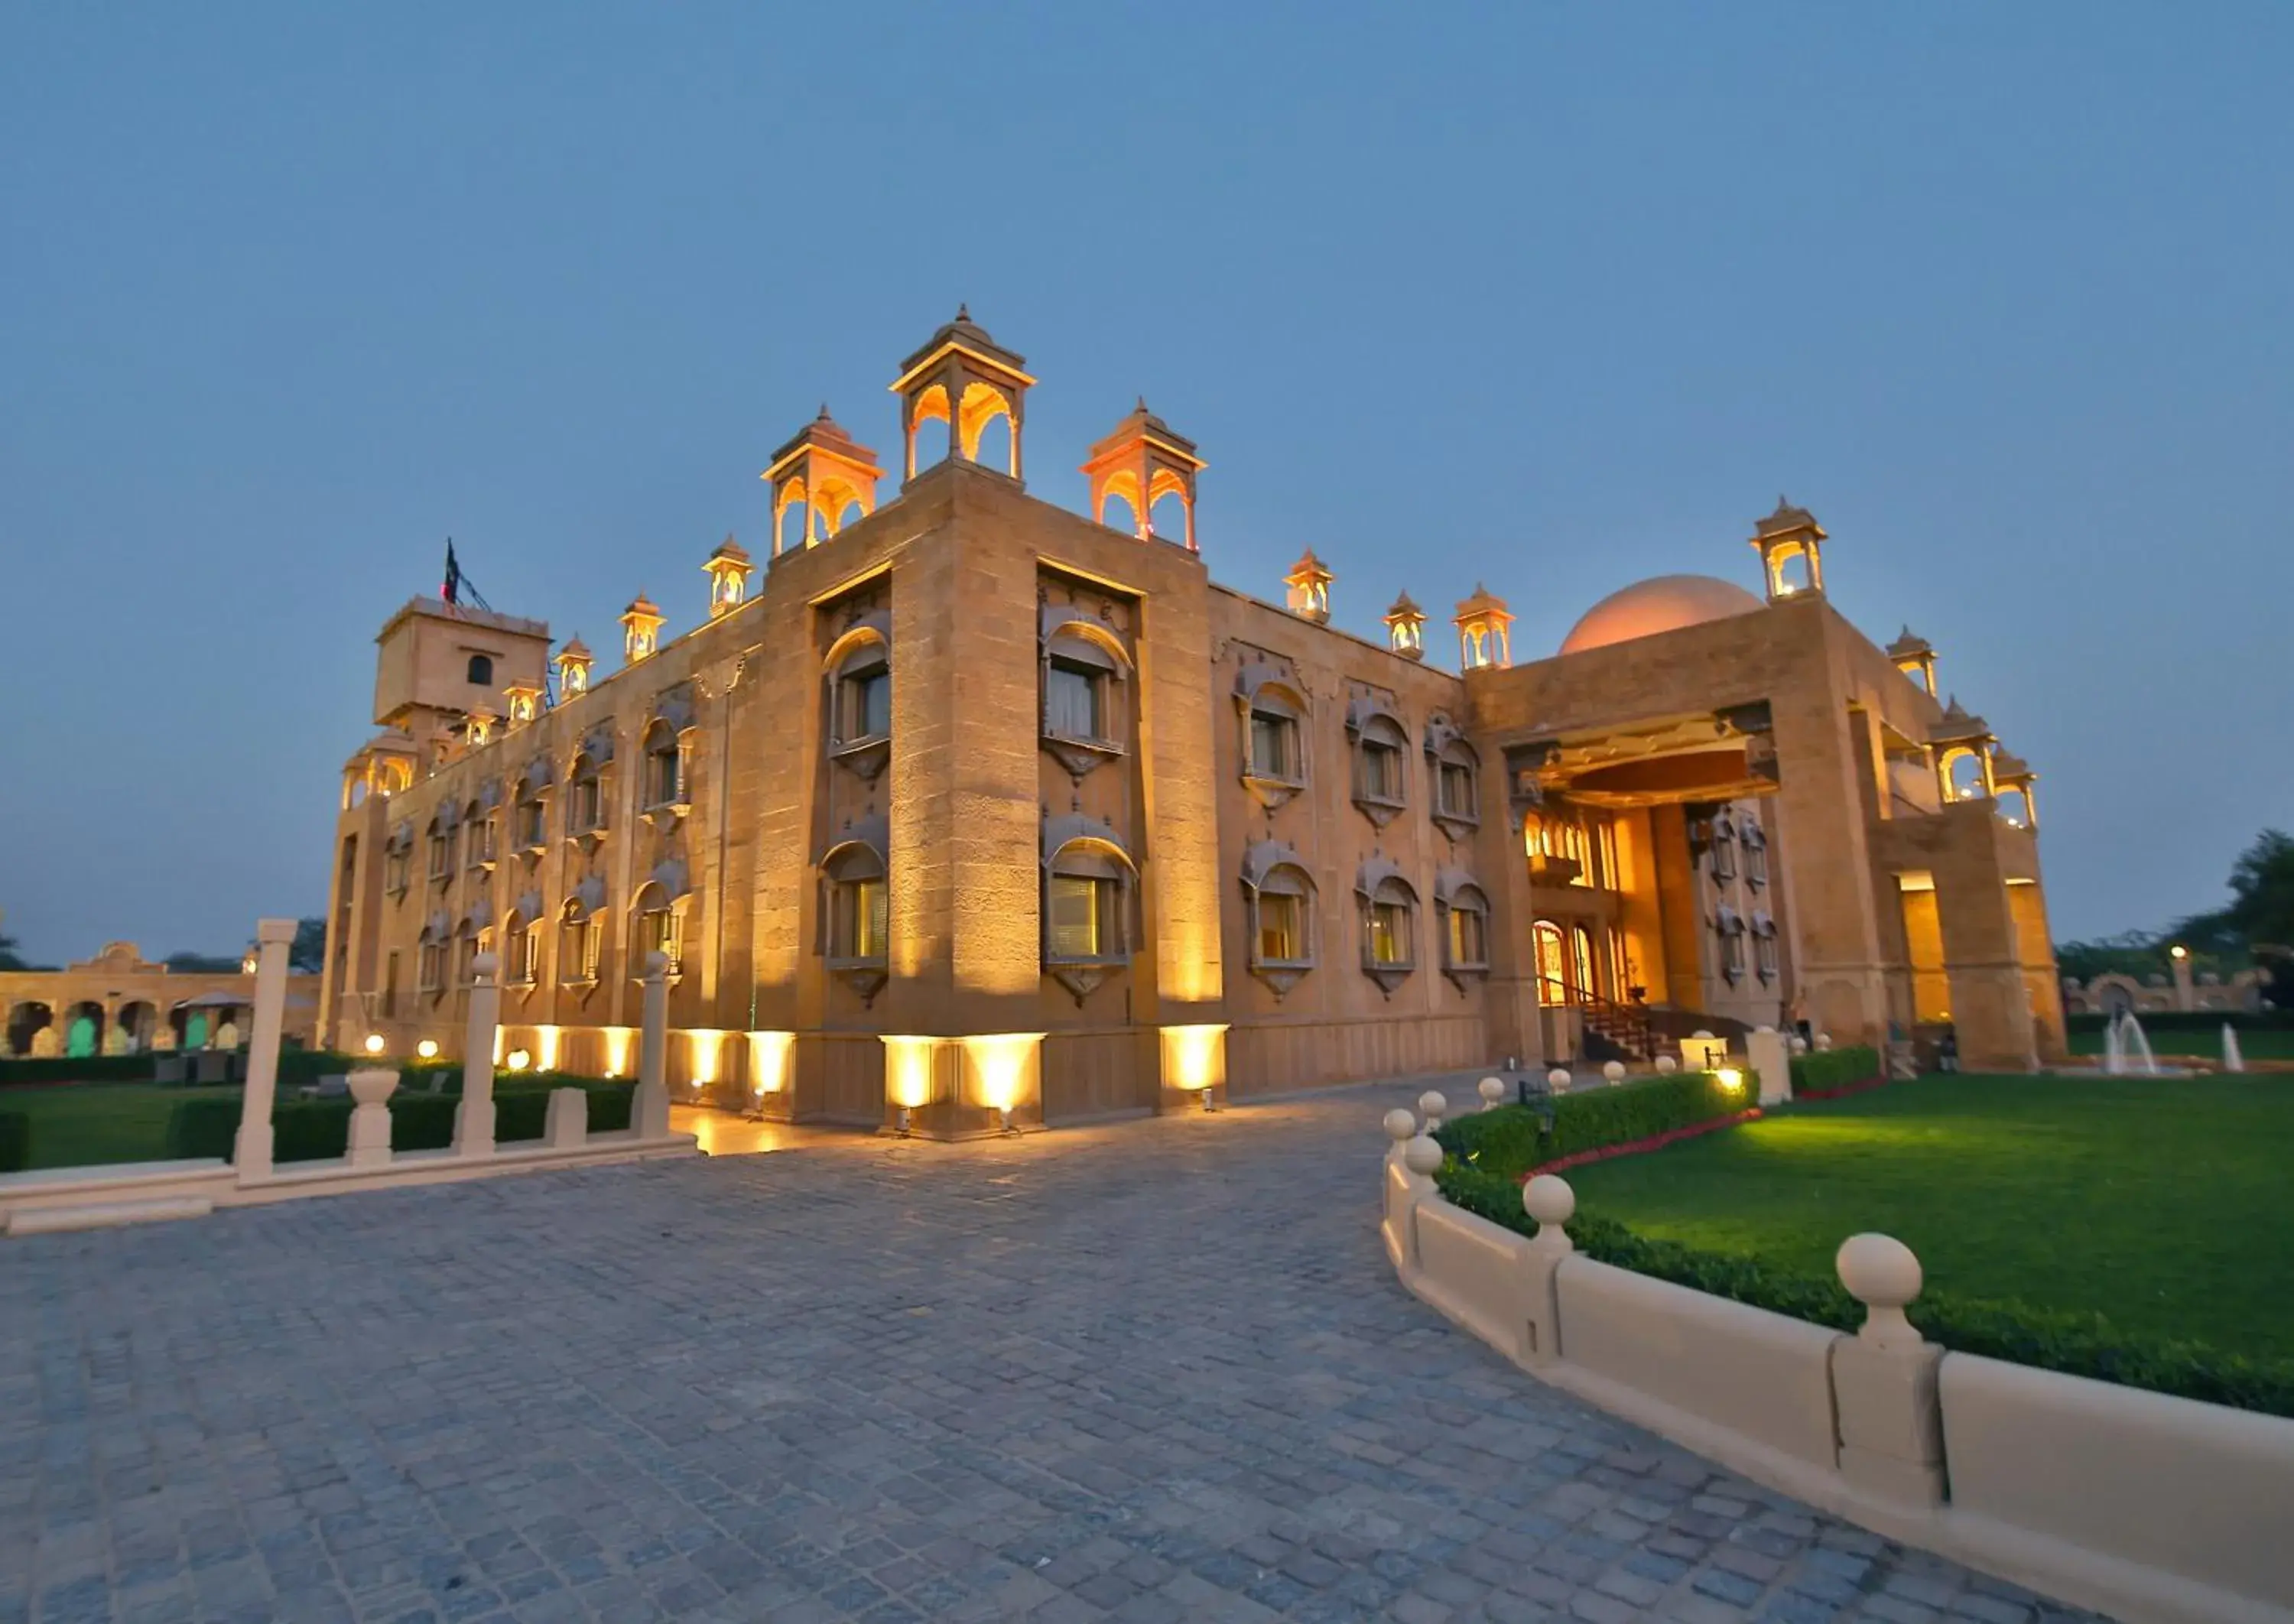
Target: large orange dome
1662 603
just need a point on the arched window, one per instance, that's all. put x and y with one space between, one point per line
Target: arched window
859 907
532 819
478 838
664 768
585 801
659 928
1089 883
1552 974
1382 755
1278 895
1963 775
1457 786
482 670
430 959
581 936
1756 855
1389 922
1724 847
1271 711
856 914
1084 914
522 962
1764 947
1465 926
398 859
1085 666
1730 926
442 847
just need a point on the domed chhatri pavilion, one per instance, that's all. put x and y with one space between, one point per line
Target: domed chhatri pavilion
976 810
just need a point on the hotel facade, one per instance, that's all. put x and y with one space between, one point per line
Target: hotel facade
976 811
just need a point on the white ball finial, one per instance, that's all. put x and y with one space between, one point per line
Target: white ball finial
1615 1071
1549 1199
1422 1155
1882 1273
1401 1126
1824 1040
1557 1079
1799 1043
1700 1037
1433 1107
1492 1090
1667 1064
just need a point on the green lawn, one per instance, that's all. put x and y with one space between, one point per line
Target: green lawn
2167 1204
89 1124
2254 1044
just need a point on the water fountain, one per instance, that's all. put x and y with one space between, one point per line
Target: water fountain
2122 1042
2233 1060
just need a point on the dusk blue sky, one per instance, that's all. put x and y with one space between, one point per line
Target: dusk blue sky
1552 298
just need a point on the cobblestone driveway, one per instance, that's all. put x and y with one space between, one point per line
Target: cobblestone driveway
1153 1372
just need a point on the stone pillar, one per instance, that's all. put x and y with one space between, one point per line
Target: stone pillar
474 1118
566 1125
1771 1059
649 1111
1549 1199
252 1151
1883 1380
369 1140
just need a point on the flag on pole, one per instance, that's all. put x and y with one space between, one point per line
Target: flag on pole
452 590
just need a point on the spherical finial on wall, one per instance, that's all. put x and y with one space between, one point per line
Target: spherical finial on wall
1433 1107
1492 1091
1401 1125
1667 1064
1615 1071
1422 1155
1882 1273
1557 1079
1549 1199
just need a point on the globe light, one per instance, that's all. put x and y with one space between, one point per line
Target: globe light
374 1043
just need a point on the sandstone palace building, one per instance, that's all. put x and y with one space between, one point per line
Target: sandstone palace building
967 809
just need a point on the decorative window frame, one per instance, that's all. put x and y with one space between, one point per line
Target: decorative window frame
1085 847
586 781
1446 747
1067 639
522 941
1729 925
582 968
1755 842
438 847
1380 880
398 861
531 837
1271 867
431 948
1260 687
1458 892
678 753
1722 859
857 854
1765 967
1371 726
863 647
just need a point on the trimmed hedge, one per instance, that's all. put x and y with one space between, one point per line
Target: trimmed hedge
90 1068
1820 1070
2048 1339
313 1130
1512 1139
2193 1020
15 1142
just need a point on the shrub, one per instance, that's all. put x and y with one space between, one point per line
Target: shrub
199 1130
313 1130
1513 1139
15 1142
2022 1334
2193 1020
90 1068
1822 1070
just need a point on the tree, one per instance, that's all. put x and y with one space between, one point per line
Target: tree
202 964
308 955
8 958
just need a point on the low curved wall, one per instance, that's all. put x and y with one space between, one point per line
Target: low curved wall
2144 1506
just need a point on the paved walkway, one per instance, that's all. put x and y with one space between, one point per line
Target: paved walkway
1153 1372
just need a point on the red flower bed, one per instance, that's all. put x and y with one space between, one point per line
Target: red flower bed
1635 1147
